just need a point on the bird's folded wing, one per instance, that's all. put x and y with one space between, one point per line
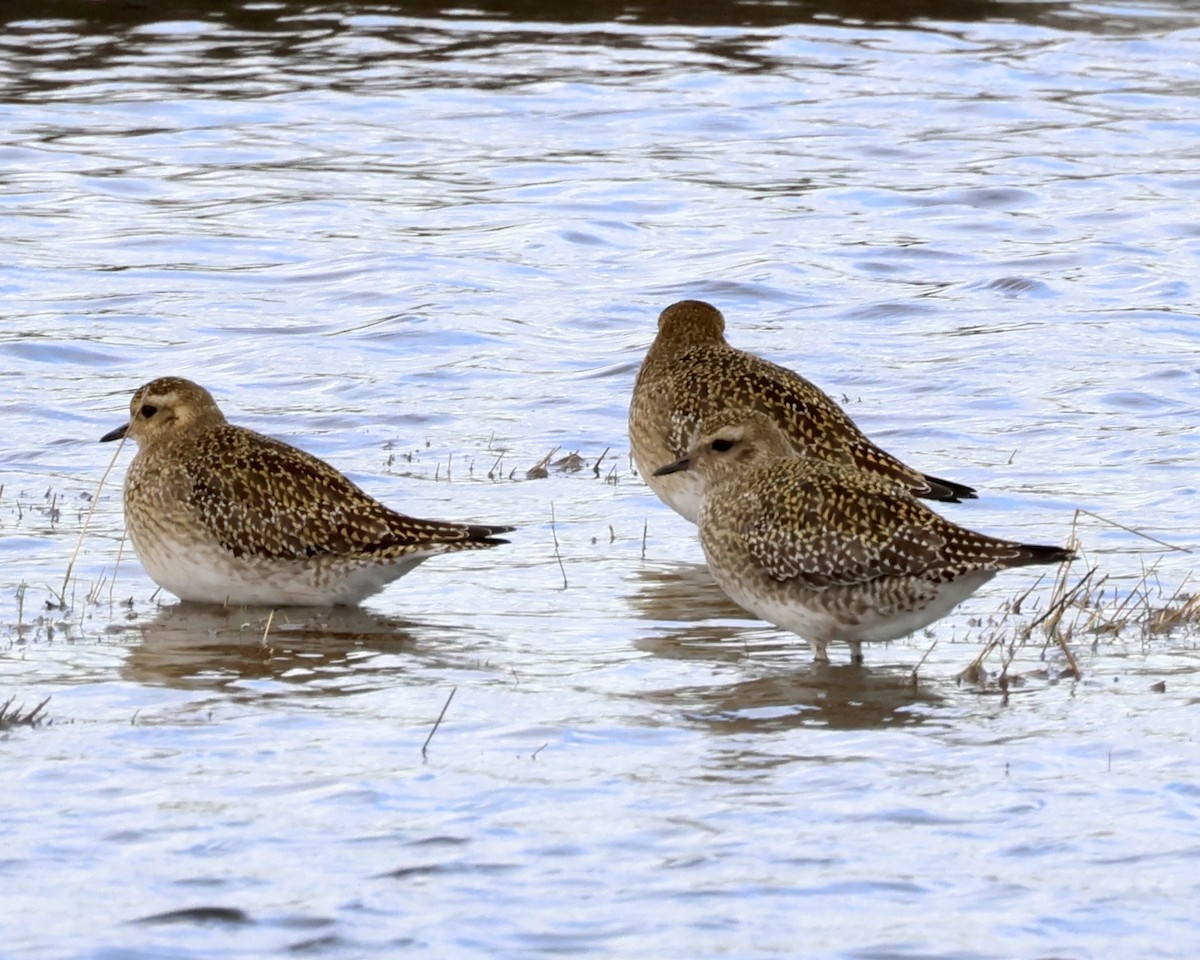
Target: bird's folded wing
819 531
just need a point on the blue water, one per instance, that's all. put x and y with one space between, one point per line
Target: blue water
430 247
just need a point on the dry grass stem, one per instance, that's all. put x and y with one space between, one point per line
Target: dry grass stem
922 661
86 522
437 723
538 471
1072 663
1059 604
557 554
13 717
1136 532
112 583
571 463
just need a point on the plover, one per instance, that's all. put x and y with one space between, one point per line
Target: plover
691 373
829 551
221 514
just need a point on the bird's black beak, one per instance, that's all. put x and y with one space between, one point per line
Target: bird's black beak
681 464
115 434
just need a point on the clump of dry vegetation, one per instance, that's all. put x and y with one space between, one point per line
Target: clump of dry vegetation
602 467
1082 610
573 462
11 716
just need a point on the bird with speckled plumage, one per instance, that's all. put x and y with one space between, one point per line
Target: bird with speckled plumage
826 550
691 373
221 514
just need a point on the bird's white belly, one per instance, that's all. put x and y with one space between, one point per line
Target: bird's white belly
205 573
806 613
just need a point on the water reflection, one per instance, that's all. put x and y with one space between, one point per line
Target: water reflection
323 651
763 13
838 697
683 592
803 693
240 50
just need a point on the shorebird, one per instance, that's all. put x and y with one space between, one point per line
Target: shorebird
691 373
221 514
826 550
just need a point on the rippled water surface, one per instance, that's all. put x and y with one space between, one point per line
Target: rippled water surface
430 244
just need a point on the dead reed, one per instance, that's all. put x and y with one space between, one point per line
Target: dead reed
11 716
1083 609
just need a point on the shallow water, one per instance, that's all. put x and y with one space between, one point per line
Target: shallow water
430 247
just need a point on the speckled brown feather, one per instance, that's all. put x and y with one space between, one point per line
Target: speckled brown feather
691 374
827 550
828 524
226 503
263 497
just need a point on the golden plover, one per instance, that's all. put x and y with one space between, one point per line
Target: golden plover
691 373
221 514
826 550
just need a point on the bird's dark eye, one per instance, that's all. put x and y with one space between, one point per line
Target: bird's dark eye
148 410
722 445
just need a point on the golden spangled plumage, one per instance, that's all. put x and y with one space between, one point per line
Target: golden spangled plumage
221 514
691 374
829 551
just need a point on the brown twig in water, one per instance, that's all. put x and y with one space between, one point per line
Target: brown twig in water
538 471
1169 616
1060 603
437 723
557 554
922 660
571 463
267 628
94 591
974 670
1071 661
645 530
14 718
1016 605
596 467
1140 591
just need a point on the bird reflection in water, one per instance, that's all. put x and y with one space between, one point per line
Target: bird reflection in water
324 651
694 609
682 592
846 697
